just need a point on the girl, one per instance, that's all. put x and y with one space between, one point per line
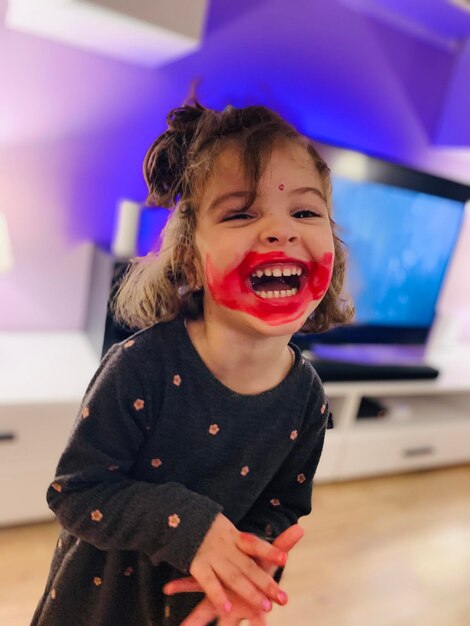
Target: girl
198 437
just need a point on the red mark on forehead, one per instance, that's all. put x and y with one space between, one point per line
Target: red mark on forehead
281 187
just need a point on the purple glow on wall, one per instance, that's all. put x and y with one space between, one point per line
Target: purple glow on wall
454 126
75 127
152 222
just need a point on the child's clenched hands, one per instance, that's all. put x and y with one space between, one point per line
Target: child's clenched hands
205 611
223 561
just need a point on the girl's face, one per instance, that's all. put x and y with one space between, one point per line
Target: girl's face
265 268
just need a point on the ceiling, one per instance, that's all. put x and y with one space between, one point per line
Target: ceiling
179 26
103 41
143 32
445 22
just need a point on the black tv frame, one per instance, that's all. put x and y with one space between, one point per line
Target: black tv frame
379 170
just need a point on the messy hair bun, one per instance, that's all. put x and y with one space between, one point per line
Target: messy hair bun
166 159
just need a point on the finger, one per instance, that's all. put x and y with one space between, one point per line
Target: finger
216 594
252 620
259 548
252 584
262 579
228 621
182 585
258 620
204 613
285 541
242 612
289 538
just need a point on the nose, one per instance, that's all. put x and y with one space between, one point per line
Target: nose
278 231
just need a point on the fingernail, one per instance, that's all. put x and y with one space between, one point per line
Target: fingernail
227 607
282 597
267 605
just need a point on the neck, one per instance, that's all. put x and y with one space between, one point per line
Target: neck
245 364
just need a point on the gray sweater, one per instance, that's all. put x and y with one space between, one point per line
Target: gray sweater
159 448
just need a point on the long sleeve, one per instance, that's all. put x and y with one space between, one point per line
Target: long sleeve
288 495
94 494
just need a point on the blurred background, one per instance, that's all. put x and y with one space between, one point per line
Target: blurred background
85 86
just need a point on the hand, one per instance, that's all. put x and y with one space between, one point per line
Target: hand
222 563
205 612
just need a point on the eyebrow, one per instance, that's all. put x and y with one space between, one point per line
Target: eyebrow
314 190
226 196
234 195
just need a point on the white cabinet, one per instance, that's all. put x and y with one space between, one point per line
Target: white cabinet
43 377
32 438
426 423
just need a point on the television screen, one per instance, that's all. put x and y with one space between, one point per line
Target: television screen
400 227
400 243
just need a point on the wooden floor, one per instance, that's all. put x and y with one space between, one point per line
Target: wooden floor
392 551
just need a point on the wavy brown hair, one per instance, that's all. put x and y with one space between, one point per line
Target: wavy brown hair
176 167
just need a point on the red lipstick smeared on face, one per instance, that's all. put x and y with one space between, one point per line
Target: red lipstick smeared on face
234 289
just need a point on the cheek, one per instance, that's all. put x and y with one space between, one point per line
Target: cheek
320 277
221 272
218 255
326 241
207 263
322 250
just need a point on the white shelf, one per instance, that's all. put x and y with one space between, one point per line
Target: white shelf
43 377
45 367
420 411
427 422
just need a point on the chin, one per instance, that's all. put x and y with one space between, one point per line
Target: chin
280 328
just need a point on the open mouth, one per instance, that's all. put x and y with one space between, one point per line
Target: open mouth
277 281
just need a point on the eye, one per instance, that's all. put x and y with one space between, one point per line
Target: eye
303 213
238 215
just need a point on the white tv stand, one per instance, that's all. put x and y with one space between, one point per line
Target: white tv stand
43 377
427 424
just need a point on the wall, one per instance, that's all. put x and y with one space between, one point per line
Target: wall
77 126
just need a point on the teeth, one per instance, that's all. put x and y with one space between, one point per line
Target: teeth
285 293
277 271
